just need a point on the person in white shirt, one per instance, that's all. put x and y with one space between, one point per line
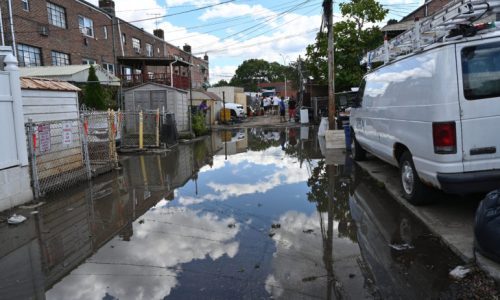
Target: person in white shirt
276 102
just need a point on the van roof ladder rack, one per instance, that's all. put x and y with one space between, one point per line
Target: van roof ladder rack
453 21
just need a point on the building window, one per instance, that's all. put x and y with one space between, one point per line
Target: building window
88 61
149 50
26 5
136 44
109 67
60 59
86 26
105 32
124 38
57 15
28 56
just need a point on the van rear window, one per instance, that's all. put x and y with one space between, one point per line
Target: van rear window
481 71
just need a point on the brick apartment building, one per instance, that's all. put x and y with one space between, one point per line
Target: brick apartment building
63 32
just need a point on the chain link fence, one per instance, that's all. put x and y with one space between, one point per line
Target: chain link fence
58 155
147 129
102 136
63 153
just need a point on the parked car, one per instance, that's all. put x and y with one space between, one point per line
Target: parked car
435 114
237 110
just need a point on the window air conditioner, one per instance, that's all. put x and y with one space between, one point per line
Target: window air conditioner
43 30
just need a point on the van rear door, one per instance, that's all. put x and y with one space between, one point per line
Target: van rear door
479 84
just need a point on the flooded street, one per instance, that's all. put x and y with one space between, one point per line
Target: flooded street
246 214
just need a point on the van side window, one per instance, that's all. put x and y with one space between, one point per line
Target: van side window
481 71
359 97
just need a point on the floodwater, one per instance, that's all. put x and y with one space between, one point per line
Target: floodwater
245 214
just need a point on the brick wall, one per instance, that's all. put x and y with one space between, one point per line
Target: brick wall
426 9
69 40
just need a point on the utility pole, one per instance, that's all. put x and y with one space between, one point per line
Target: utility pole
328 12
301 82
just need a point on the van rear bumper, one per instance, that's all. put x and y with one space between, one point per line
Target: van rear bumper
470 182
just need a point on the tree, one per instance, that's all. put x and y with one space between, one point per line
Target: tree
221 82
352 40
253 71
94 95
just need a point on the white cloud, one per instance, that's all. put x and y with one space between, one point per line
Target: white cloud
197 3
150 262
231 10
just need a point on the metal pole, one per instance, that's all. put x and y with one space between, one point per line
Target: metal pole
11 20
141 130
190 94
1 27
224 105
328 9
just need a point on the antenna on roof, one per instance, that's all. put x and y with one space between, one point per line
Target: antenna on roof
157 19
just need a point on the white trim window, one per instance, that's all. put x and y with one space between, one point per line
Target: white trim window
26 5
136 44
105 29
86 26
149 50
60 58
88 61
57 15
109 67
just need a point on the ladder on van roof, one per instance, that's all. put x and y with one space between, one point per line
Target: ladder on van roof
452 22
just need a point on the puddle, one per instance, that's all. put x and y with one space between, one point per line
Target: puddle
245 214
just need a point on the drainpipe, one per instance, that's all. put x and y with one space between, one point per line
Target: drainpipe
121 38
12 29
1 27
172 73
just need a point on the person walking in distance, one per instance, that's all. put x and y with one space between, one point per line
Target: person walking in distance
281 105
291 109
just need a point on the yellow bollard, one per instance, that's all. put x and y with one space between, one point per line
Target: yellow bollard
157 127
141 130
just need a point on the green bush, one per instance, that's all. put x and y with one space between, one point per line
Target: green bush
199 126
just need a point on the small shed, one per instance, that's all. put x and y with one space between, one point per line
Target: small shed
49 100
71 73
214 102
151 96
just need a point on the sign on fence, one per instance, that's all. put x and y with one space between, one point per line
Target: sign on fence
44 137
67 135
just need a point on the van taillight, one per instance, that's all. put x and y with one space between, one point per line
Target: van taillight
445 137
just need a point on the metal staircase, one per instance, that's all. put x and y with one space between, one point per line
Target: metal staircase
453 21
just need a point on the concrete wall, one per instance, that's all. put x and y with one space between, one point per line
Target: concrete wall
229 92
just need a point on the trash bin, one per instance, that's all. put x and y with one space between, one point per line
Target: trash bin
347 132
304 116
323 127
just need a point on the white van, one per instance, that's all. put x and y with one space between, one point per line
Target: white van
436 115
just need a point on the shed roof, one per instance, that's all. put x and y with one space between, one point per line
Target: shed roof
163 86
204 95
29 83
73 73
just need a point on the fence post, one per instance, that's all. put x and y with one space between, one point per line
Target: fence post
32 153
157 127
141 130
111 137
85 144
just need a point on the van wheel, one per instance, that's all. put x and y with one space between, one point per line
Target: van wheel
358 153
413 189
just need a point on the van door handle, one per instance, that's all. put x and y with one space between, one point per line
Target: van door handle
484 150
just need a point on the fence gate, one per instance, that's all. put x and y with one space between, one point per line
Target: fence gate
57 151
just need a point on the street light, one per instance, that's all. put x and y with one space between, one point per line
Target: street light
284 63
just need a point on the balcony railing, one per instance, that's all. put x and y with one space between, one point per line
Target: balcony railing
180 82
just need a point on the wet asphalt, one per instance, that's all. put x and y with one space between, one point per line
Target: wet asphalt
242 214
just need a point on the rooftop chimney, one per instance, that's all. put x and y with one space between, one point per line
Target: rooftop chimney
159 33
108 6
186 48
205 57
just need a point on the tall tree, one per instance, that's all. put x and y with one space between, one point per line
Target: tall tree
253 71
94 95
221 82
353 38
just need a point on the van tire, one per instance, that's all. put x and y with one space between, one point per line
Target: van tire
358 153
413 189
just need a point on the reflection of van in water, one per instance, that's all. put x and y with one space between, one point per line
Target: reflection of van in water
435 114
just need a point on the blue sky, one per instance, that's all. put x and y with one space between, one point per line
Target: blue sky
274 30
